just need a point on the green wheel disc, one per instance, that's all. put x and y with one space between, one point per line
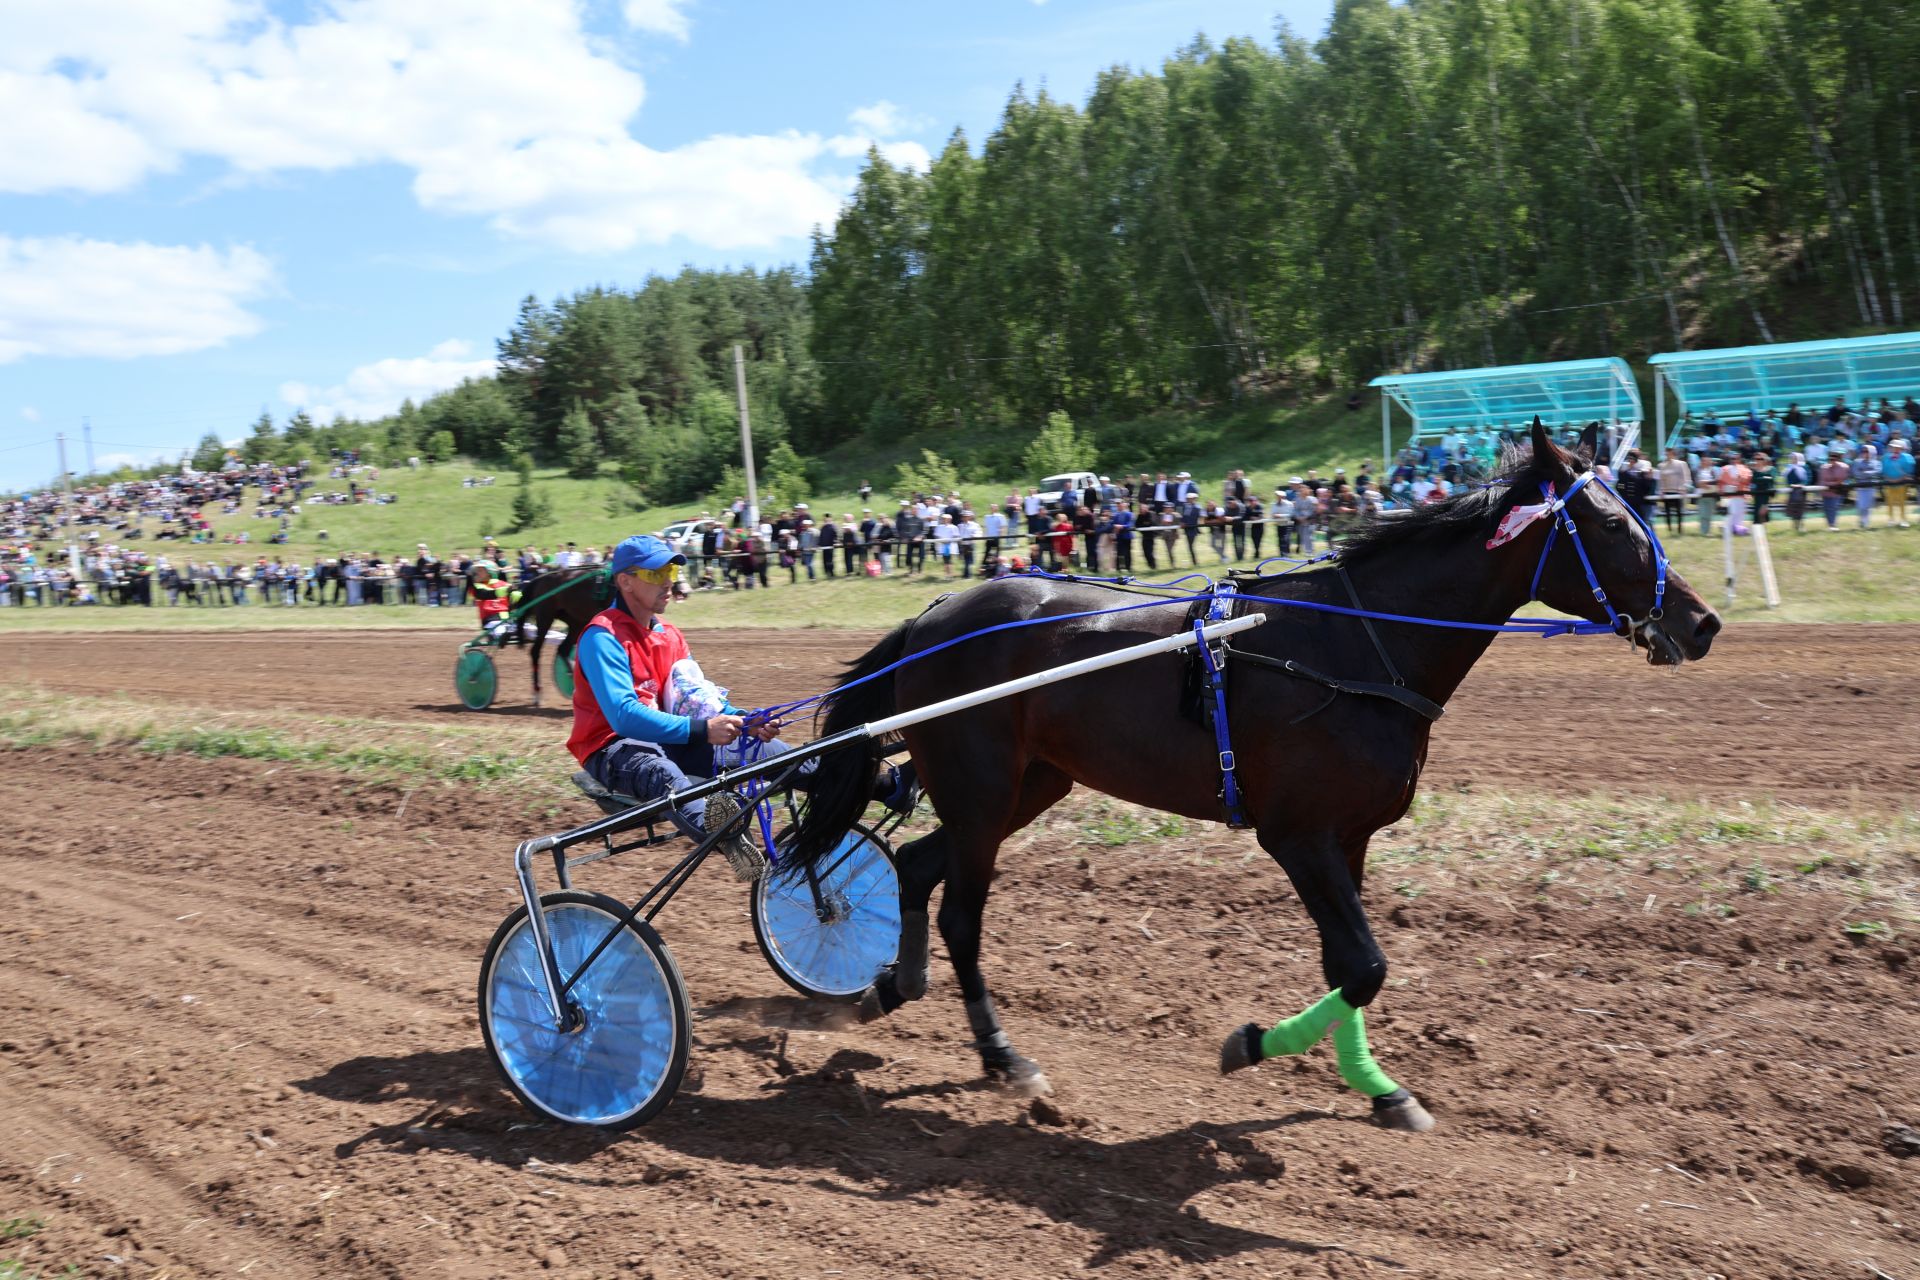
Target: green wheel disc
475 679
563 675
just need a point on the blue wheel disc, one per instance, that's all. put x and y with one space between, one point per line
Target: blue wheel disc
832 950
624 1061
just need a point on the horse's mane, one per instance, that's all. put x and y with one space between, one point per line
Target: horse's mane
1476 511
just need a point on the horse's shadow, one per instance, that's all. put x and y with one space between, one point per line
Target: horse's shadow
833 1130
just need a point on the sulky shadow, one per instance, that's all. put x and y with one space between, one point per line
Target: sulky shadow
837 1130
514 709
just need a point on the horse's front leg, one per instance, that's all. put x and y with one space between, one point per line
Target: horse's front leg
1355 969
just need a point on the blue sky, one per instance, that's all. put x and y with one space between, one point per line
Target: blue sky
211 207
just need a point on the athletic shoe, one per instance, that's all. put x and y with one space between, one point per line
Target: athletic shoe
743 855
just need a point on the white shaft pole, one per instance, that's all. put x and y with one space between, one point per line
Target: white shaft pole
746 438
1099 662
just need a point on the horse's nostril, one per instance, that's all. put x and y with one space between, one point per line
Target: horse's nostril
1704 633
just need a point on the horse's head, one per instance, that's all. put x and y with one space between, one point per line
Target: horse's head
1604 563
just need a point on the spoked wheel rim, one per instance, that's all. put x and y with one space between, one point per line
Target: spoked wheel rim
475 680
834 954
563 675
623 1061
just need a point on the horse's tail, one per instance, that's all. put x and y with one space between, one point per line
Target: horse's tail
842 783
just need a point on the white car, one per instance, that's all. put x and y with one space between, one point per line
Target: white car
679 531
1053 486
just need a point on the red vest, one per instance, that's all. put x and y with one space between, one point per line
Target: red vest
650 656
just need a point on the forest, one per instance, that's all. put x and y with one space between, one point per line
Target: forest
1439 183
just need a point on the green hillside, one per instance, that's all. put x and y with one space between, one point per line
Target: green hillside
1269 442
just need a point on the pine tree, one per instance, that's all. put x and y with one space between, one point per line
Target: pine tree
579 443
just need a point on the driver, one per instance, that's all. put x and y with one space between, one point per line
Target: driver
621 736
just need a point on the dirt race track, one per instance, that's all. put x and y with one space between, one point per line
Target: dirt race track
238 1034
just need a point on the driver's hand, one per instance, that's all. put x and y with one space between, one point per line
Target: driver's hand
723 731
766 730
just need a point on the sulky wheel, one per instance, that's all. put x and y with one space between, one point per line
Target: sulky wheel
563 675
621 1060
475 680
831 946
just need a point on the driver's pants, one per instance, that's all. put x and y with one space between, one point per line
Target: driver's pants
649 770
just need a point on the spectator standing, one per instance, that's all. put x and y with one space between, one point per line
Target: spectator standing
1866 475
1216 521
1706 487
1834 474
1060 544
1306 511
1799 478
1190 517
1122 527
995 528
1253 520
946 535
1635 486
1675 479
829 543
1897 474
1735 480
808 542
969 532
1765 480
851 547
1086 521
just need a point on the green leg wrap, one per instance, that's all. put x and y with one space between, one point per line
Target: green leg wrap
1303 1030
1357 1066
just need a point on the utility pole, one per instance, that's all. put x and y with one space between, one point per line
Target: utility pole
746 437
86 434
66 484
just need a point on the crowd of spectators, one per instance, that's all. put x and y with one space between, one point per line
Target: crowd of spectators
1744 469
151 541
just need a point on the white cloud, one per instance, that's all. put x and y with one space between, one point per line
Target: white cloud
30 413
504 109
66 296
378 388
114 461
883 119
662 17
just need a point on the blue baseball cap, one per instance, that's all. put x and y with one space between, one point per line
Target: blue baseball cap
643 551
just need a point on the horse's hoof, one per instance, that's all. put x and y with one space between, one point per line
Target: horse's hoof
1241 1049
1021 1077
872 1008
1401 1110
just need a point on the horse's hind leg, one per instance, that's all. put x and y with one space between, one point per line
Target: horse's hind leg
970 860
539 639
1355 969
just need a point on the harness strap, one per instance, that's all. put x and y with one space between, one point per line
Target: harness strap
1367 622
1426 708
1222 739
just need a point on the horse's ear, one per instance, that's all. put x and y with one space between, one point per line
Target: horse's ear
1548 459
1589 443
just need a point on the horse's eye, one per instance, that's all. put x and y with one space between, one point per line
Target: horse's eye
1616 523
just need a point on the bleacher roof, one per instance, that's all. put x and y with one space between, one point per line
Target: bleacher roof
1510 395
1735 379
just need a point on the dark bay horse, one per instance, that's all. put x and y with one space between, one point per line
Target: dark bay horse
1320 771
571 596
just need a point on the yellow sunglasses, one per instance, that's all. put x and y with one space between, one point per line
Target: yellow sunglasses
658 577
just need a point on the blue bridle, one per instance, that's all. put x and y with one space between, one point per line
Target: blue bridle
1623 624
